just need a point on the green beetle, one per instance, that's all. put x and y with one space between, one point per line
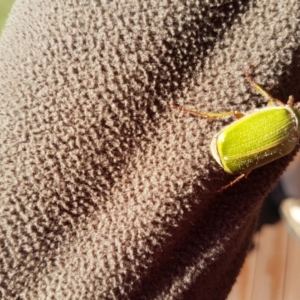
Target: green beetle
257 138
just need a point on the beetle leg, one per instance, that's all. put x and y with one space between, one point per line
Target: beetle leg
291 101
233 182
237 114
278 102
271 101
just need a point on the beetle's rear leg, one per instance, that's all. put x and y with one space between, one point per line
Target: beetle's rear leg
237 114
244 175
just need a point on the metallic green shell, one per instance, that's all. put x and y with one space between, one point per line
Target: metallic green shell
256 139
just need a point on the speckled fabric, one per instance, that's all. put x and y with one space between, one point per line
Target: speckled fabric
106 192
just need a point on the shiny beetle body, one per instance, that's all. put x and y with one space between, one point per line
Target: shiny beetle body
256 138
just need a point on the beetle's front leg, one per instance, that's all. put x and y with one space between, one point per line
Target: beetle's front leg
237 114
271 101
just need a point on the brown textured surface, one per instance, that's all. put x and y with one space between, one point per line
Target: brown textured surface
106 192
